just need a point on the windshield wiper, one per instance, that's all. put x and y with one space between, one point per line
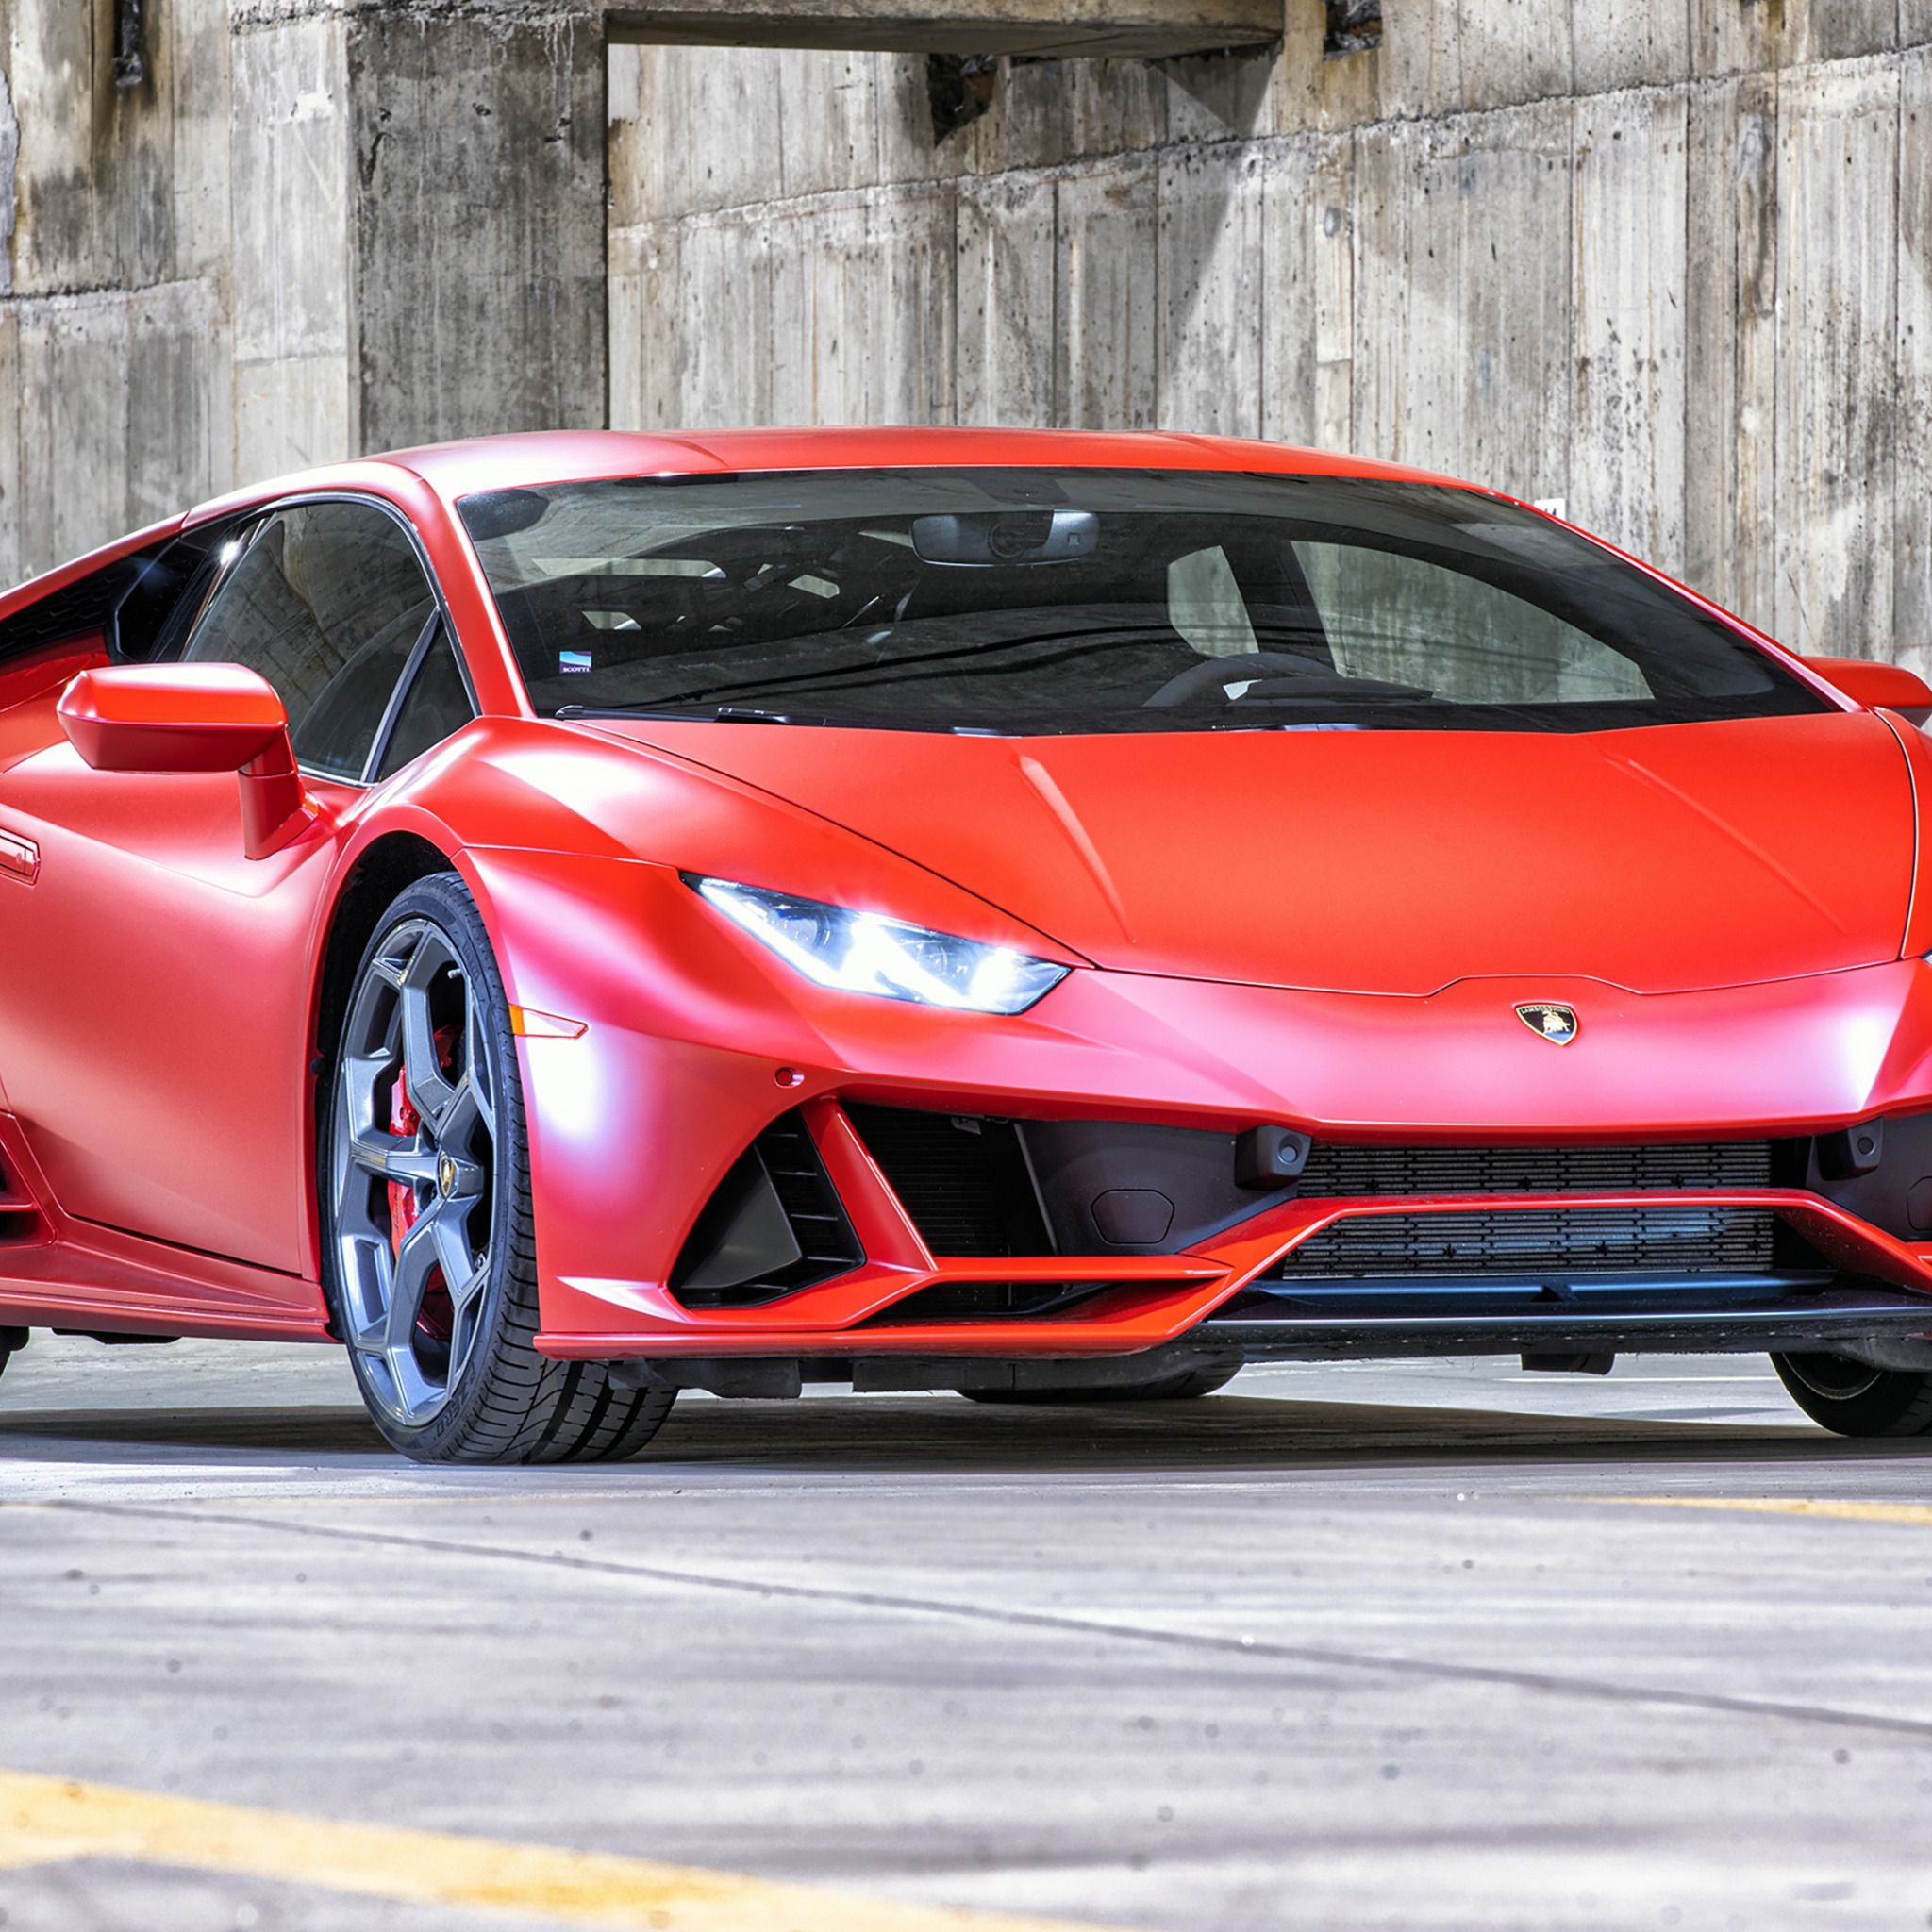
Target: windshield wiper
746 715
1098 637
696 714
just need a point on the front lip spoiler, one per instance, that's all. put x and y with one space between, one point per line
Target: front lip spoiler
1153 1299
1685 1314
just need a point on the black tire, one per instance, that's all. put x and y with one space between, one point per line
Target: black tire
449 1374
1856 1400
1182 1387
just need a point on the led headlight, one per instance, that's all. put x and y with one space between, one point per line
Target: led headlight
866 952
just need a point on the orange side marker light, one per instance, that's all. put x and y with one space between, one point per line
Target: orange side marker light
526 1022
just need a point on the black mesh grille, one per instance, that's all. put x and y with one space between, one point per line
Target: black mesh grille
1336 1170
962 1180
1558 1241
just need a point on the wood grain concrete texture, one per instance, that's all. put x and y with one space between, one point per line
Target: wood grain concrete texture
478 226
293 288
113 319
312 230
1664 260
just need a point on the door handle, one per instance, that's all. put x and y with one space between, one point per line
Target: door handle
19 859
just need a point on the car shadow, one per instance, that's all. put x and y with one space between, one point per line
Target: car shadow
242 1434
943 1434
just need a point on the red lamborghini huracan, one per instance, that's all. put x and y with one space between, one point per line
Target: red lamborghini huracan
1045 915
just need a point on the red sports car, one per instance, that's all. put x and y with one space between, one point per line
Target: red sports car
1049 916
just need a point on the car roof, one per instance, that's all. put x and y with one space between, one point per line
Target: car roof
455 470
496 462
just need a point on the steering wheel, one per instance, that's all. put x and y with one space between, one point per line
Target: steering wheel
1244 666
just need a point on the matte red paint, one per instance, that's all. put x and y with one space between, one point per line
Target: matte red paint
194 718
1390 861
1873 683
1736 909
170 717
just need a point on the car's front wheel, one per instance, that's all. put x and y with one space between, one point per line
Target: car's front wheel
428 1253
1855 1399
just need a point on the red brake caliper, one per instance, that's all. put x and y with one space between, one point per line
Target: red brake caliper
403 1120
435 1316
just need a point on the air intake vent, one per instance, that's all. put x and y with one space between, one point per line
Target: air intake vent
1557 1242
962 1181
19 1220
1334 1171
774 1226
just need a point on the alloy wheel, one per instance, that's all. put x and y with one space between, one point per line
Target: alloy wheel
414 1172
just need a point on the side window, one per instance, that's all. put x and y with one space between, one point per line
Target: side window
327 603
1205 604
437 702
160 606
1402 618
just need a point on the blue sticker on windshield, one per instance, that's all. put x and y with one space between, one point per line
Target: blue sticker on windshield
573 661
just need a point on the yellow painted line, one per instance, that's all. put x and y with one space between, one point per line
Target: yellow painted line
1918 1513
50 1819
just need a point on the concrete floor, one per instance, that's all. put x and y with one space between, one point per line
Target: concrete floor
1349 1648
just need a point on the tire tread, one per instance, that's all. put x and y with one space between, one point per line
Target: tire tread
1898 1402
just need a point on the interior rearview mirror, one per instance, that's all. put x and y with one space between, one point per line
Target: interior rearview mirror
1006 536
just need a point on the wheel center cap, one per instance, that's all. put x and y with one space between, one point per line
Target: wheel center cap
447 1177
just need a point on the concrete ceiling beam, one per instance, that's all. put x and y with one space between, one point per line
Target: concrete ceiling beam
1119 30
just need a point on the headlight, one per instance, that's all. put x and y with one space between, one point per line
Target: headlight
866 952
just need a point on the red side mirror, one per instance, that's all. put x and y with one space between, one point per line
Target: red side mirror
1876 684
194 718
170 717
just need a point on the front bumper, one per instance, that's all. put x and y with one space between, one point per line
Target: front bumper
695 1046
1856 1283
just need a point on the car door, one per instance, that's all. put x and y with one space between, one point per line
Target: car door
155 984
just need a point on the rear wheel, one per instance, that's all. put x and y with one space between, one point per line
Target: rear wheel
1181 1386
428 1250
1856 1400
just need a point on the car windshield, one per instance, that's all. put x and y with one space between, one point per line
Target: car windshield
1021 601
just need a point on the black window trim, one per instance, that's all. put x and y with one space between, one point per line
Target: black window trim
249 523
406 683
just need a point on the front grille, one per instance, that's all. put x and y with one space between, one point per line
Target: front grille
1558 1241
961 1179
1333 1171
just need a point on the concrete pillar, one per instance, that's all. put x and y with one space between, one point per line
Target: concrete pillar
419 228
114 387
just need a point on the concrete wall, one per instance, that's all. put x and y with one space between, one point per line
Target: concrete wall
114 329
313 230
1665 259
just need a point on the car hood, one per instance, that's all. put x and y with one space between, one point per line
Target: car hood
1662 859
